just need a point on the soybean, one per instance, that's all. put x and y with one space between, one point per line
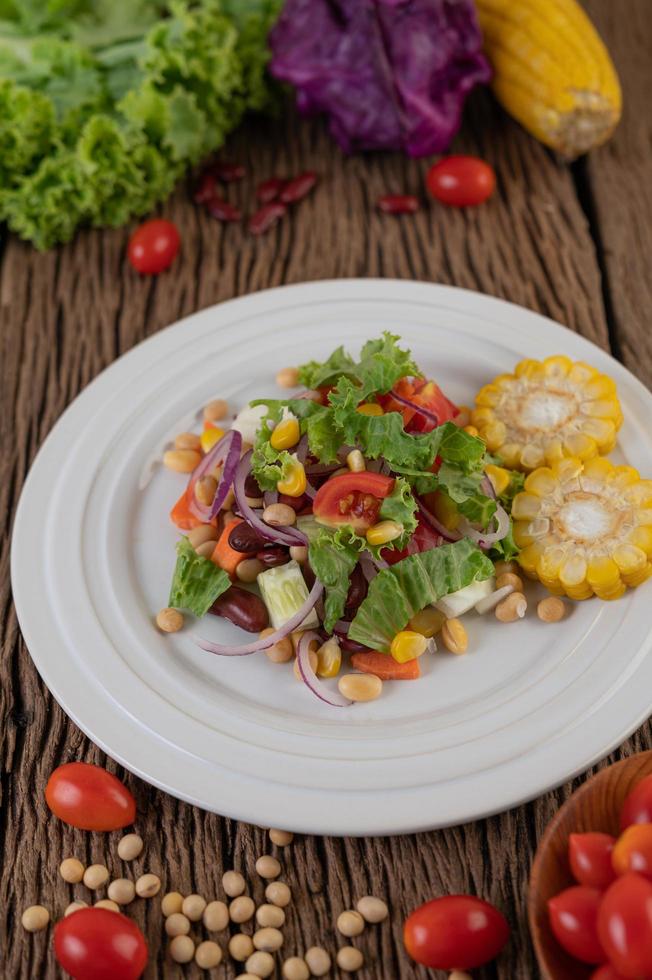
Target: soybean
268 939
360 687
372 909
75 907
268 867
241 947
171 903
216 410
242 909
295 969
349 958
170 620
208 954
148 885
193 907
278 893
201 534
182 949
177 925
35 918
95 876
318 960
350 923
122 891
215 917
131 845
260 964
281 837
71 870
107 903
270 915
233 883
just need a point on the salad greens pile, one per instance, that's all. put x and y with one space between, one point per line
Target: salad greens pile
105 103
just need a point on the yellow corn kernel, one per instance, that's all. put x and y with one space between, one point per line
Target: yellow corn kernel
629 559
444 510
369 408
408 645
499 477
488 396
295 484
541 482
355 461
553 450
532 456
526 506
286 434
494 435
637 578
580 445
210 437
329 658
573 572
471 429
557 366
384 532
601 408
482 416
603 574
427 622
641 537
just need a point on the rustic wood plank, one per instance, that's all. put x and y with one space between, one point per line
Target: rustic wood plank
68 314
619 185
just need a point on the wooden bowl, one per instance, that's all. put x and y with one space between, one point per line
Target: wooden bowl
594 806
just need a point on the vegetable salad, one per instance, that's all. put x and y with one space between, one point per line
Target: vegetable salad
363 515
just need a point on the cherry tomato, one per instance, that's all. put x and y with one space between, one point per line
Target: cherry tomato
89 797
573 919
421 394
460 181
352 498
97 944
590 859
457 932
633 850
637 807
625 926
153 246
607 972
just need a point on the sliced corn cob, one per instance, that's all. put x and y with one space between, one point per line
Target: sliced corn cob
546 410
585 527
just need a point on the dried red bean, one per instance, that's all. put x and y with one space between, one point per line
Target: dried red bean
245 539
270 189
298 187
251 487
205 189
398 204
222 210
266 217
296 503
229 172
242 608
357 592
273 555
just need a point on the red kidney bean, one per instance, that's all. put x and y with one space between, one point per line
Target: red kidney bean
205 189
296 503
229 172
251 486
308 575
245 539
298 187
273 555
266 217
222 210
242 608
270 189
357 592
398 204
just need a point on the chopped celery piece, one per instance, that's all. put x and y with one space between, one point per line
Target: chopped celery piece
284 592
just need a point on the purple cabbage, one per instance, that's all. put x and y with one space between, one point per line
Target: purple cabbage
391 74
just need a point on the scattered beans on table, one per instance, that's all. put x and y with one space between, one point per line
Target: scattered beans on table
215 917
288 377
71 870
75 907
241 947
295 968
281 837
268 867
216 410
107 903
278 893
131 845
372 909
349 958
182 949
454 636
177 924
269 190
218 208
459 975
148 885
242 909
122 891
398 204
270 915
193 907
181 460
512 608
171 903
551 609
318 960
299 187
268 939
208 954
350 923
95 876
260 964
169 621
360 687
229 172
35 918
266 217
233 883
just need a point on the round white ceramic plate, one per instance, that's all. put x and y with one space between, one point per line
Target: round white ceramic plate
93 551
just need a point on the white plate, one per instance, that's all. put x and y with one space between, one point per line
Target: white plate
93 550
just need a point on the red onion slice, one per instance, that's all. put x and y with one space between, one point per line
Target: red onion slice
309 677
286 535
440 528
227 450
487 487
225 650
485 539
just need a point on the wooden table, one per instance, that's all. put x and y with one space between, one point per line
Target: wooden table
573 242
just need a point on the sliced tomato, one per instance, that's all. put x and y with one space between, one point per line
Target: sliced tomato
353 498
422 394
424 539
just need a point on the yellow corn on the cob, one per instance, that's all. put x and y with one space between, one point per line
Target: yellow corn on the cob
585 527
551 71
546 410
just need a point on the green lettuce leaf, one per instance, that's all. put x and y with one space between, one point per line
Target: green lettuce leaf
399 592
401 507
197 582
382 363
333 555
316 374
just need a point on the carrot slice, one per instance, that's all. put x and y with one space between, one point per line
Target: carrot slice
385 667
224 555
183 517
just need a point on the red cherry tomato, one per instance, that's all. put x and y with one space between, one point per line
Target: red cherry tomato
590 859
461 181
457 932
421 394
153 246
89 797
625 926
637 807
97 944
353 498
633 850
607 972
573 919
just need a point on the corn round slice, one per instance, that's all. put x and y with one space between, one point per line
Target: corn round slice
585 527
547 410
